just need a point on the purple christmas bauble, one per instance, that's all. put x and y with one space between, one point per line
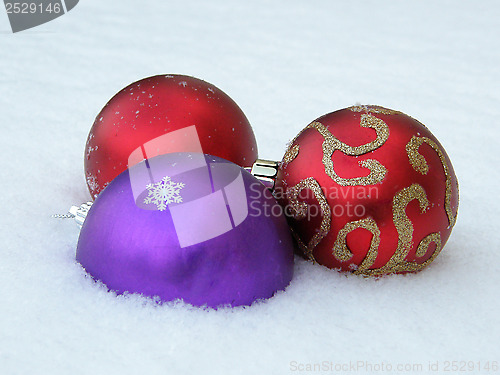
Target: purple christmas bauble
188 226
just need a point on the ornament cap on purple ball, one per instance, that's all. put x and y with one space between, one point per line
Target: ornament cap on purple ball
188 226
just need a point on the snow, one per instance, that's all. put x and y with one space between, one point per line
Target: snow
285 63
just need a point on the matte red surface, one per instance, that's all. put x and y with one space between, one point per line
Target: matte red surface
158 105
345 125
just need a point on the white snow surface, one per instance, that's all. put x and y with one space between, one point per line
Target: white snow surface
285 63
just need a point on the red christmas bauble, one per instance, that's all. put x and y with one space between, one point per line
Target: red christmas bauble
163 114
368 190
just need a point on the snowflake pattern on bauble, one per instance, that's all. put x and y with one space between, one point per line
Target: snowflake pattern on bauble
163 193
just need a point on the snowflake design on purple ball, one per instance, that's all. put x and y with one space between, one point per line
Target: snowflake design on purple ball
163 193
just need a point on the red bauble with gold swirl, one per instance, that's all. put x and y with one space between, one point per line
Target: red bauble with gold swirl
368 190
196 116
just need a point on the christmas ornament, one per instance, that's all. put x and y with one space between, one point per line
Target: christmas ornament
190 226
162 114
369 190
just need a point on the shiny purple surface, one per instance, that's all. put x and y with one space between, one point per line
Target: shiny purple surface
220 245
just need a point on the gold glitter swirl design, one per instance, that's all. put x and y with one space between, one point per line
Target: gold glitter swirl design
291 153
397 263
423 246
332 144
420 165
374 109
299 211
342 252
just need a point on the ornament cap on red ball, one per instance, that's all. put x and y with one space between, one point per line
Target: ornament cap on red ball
144 112
368 190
